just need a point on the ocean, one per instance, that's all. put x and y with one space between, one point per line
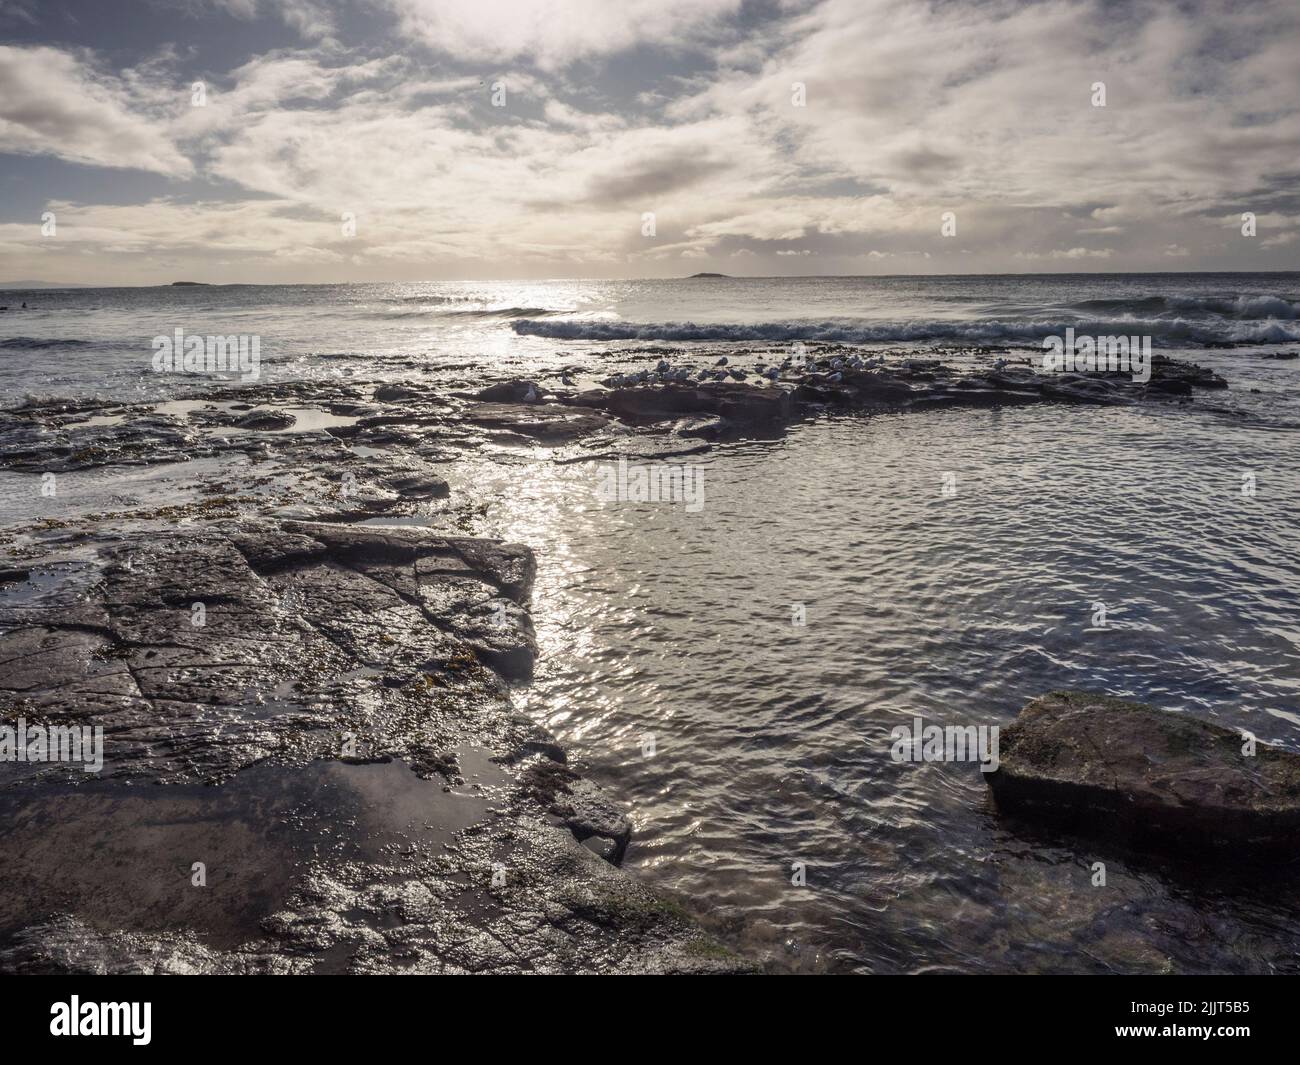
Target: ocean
88 341
769 805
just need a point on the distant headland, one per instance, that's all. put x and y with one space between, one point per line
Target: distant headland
694 276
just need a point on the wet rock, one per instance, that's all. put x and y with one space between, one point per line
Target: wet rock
1080 388
975 392
1127 771
550 423
39 442
594 821
199 658
877 387
736 402
335 671
66 945
396 393
511 392
1165 371
418 486
509 567
501 634
267 421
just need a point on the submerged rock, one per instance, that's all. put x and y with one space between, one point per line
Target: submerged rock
1131 772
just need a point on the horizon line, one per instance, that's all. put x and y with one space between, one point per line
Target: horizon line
707 276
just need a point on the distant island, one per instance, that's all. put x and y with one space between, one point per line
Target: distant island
182 283
694 276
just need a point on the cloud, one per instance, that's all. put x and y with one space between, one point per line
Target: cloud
17 11
911 110
53 102
311 18
555 34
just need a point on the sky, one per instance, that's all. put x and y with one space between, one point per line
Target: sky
146 141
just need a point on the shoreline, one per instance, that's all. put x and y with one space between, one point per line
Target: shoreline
294 586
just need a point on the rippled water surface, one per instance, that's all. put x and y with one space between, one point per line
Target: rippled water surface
772 741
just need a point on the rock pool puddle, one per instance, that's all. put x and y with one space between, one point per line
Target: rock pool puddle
123 857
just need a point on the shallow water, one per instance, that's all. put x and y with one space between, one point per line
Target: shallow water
771 741
254 836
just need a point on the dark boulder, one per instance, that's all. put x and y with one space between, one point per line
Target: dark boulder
1165 370
511 392
871 386
1133 773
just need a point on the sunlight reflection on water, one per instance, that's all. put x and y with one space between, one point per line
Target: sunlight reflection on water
772 741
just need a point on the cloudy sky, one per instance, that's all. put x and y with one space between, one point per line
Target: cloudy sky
386 111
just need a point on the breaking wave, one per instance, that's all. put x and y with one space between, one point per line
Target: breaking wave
1237 308
1219 329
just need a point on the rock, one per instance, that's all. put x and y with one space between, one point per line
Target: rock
590 816
975 392
375 855
736 402
1080 388
550 423
1165 370
875 386
418 486
266 420
511 392
1130 772
395 393
499 630
39 441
